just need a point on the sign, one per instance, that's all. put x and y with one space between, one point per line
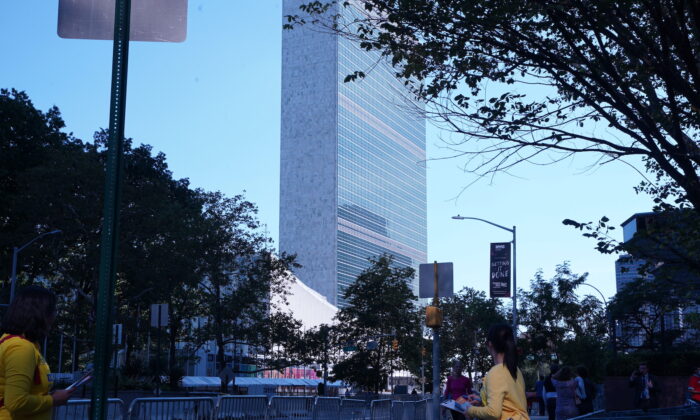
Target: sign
372 345
151 20
117 333
159 315
426 279
499 281
348 349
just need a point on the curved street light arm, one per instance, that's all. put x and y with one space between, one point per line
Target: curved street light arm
605 301
458 217
37 238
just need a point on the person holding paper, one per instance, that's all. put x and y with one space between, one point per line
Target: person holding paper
457 386
24 382
503 393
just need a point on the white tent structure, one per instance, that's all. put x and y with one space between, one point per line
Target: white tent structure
307 305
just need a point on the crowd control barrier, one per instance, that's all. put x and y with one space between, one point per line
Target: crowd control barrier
380 410
244 407
290 408
80 409
241 407
192 408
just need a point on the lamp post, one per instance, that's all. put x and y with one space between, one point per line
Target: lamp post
515 283
15 251
608 317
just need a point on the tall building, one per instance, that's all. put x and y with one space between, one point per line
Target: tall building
353 179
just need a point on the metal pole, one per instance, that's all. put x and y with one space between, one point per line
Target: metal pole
158 355
436 374
436 350
60 354
13 277
515 289
109 239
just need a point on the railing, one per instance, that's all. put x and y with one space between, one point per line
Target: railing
192 408
290 408
380 410
241 407
326 408
80 409
234 407
352 409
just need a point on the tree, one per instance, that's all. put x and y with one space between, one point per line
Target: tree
629 66
649 313
556 321
468 315
381 308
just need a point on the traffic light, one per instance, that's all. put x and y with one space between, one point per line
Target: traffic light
395 344
423 351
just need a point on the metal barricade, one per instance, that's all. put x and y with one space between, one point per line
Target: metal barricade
352 409
397 409
380 410
241 407
326 408
286 408
80 410
413 410
192 408
420 410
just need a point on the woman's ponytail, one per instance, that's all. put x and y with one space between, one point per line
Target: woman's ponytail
503 341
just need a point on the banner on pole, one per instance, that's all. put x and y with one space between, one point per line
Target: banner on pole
499 281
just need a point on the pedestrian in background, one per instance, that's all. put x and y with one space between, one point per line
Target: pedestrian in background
539 391
24 380
550 393
694 386
503 393
457 385
585 390
565 385
646 388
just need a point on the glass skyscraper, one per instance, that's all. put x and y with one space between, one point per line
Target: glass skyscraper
353 179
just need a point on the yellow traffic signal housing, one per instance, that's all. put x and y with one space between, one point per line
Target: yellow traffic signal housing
433 317
395 344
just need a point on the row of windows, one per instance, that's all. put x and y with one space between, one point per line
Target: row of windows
411 232
354 179
387 94
352 131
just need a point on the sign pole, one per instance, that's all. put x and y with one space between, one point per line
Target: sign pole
158 352
515 291
436 353
109 239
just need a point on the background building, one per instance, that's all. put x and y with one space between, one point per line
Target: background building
353 180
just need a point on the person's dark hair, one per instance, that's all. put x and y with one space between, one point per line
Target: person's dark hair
501 338
553 369
564 374
582 372
30 313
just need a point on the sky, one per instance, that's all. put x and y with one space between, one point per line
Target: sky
212 105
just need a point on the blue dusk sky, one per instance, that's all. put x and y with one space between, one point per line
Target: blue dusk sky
212 105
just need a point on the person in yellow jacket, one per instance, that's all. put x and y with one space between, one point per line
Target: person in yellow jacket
24 381
503 392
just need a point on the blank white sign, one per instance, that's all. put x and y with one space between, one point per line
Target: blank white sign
151 20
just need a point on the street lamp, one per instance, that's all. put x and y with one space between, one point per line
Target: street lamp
608 317
15 251
515 283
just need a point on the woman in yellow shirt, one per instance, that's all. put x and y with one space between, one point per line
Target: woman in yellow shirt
503 392
24 381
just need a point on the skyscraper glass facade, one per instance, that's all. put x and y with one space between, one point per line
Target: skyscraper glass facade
376 202
381 173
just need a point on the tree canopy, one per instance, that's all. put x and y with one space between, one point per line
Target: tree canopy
617 79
